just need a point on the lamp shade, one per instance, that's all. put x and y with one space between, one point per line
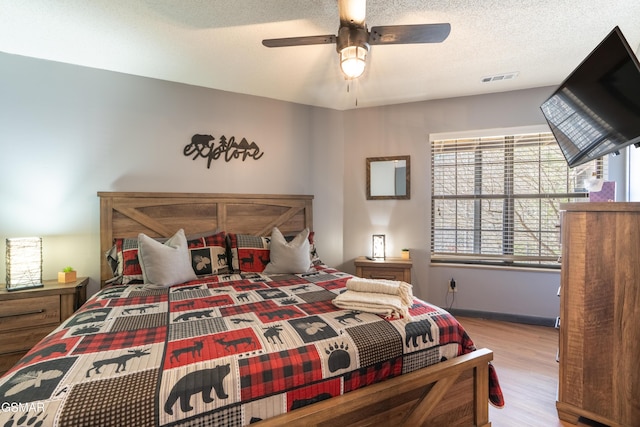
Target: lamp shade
378 246
24 263
353 60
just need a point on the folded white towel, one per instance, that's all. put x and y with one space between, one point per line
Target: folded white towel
389 306
383 286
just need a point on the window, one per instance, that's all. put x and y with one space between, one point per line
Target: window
495 199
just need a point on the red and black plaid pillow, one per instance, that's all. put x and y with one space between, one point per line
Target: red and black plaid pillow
208 254
123 259
250 254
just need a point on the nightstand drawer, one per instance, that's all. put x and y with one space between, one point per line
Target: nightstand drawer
21 340
389 269
29 312
383 273
27 316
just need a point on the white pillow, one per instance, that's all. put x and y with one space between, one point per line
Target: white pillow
288 257
165 264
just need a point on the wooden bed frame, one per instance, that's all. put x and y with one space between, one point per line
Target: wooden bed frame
451 393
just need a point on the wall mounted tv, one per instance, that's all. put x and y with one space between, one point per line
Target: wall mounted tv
596 110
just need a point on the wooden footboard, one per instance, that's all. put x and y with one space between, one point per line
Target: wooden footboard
451 393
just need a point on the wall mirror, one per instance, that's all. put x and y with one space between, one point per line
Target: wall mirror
388 178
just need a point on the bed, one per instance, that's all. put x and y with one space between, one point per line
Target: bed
234 345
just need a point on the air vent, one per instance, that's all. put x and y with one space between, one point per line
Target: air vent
500 77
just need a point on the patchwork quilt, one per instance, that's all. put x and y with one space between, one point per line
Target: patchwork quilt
223 350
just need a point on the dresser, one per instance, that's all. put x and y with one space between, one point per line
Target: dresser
388 268
599 374
26 316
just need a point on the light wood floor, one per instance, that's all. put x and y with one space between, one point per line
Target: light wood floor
525 359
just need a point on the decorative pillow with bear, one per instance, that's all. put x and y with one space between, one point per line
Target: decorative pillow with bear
165 264
292 257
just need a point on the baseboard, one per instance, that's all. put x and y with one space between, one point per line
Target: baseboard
505 317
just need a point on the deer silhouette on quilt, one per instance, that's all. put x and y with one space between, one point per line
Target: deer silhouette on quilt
120 361
195 348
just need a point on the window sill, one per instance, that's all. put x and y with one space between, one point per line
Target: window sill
494 267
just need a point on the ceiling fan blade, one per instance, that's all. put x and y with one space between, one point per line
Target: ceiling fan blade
407 34
299 41
352 12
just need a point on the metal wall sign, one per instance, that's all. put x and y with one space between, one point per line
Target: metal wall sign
205 146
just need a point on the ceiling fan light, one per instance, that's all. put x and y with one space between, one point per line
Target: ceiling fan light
353 60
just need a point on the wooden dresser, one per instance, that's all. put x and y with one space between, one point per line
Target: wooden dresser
26 316
599 375
389 268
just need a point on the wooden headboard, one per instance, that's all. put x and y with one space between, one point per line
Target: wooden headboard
126 214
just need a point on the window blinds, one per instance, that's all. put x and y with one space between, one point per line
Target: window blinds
496 199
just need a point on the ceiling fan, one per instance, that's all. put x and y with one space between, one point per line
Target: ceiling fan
354 39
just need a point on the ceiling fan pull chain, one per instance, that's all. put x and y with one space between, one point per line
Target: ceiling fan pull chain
354 81
356 90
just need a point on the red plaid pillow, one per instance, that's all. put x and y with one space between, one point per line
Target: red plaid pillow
126 261
208 256
249 254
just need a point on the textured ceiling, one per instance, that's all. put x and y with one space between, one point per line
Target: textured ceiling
217 44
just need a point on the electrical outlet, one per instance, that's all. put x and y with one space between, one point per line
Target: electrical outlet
452 286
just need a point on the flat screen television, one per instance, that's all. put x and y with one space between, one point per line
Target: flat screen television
596 110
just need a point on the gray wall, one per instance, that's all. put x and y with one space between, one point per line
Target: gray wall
67 132
404 129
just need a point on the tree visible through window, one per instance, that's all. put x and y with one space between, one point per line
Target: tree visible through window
496 199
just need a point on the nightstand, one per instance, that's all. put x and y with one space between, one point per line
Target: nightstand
389 268
26 316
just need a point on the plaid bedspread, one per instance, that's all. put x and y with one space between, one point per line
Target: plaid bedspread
226 350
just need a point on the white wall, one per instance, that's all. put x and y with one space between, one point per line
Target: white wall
67 132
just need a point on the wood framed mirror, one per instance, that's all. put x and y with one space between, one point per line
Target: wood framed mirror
388 178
